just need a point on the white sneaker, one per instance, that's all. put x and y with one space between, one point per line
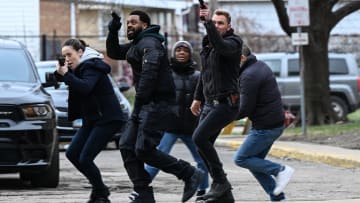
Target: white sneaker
282 179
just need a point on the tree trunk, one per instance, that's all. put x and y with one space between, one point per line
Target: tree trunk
316 73
323 18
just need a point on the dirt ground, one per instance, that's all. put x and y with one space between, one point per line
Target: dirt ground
350 140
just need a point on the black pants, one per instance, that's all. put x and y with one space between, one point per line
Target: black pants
213 118
87 143
138 146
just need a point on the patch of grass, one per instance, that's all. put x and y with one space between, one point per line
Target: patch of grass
328 130
355 116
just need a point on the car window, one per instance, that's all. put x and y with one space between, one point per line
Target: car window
274 64
293 67
336 67
14 66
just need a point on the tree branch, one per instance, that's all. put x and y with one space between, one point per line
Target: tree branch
282 15
342 12
333 2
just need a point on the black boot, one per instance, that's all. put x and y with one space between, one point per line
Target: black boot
191 184
99 196
227 197
143 195
217 190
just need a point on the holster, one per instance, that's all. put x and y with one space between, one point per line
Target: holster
233 100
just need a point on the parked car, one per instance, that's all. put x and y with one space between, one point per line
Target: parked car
344 80
66 129
28 137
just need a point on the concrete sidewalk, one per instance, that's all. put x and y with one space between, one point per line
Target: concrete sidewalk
334 156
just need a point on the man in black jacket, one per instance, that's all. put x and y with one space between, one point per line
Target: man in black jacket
218 87
260 101
155 94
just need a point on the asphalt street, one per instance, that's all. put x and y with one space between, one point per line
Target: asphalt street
311 182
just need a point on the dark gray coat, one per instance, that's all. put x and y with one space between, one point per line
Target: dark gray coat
91 95
260 98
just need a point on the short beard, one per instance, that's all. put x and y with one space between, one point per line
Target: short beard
134 34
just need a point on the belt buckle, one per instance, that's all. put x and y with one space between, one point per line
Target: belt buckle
216 102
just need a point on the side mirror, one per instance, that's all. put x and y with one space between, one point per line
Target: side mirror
50 80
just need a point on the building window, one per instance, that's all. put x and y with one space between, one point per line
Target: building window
104 19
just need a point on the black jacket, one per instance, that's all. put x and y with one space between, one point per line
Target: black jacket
150 65
260 98
220 59
91 95
185 77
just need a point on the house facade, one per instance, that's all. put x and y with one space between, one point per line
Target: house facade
42 25
19 20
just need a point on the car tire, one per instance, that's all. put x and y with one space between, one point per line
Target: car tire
340 107
50 176
25 176
116 141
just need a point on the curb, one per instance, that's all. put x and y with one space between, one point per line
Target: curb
334 156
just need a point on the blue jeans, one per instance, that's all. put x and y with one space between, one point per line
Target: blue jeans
87 143
252 153
166 144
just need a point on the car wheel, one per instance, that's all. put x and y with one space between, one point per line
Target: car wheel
25 176
50 176
339 107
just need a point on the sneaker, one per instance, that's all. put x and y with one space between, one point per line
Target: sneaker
143 196
200 192
191 184
133 196
278 198
282 179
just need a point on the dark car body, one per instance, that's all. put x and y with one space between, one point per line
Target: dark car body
28 137
66 129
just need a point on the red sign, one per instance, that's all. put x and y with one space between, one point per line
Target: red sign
298 11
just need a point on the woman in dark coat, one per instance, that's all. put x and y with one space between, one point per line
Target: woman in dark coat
91 98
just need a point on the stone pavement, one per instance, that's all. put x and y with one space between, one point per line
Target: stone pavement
312 182
334 156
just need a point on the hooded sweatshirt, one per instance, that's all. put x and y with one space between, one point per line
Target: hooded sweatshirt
91 94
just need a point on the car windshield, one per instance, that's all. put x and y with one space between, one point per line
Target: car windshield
14 66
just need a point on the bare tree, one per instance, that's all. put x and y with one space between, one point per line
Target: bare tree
324 15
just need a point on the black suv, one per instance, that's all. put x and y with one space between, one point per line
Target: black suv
28 138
